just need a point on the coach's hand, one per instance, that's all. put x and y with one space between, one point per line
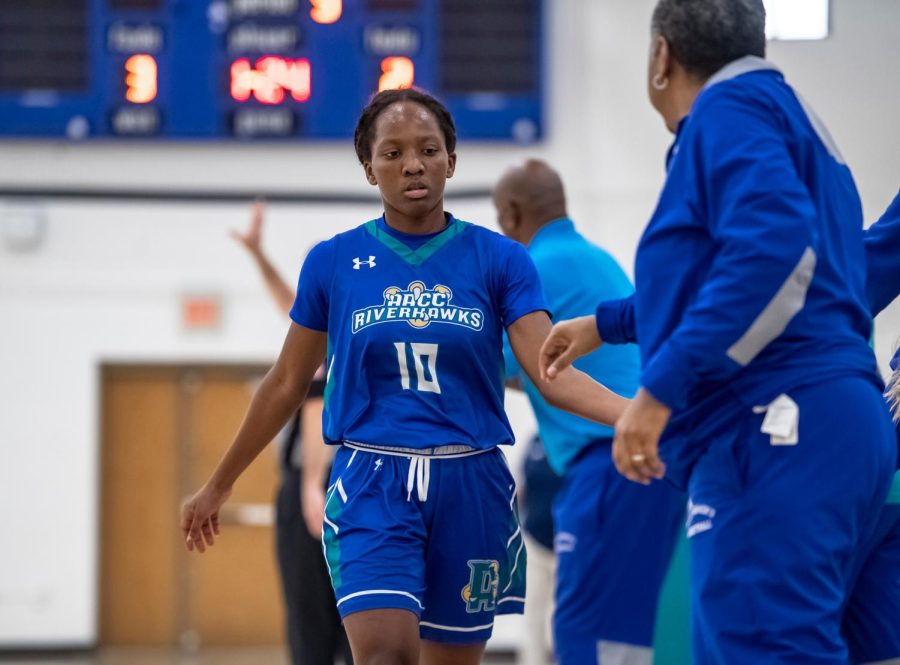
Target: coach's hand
636 443
200 518
568 341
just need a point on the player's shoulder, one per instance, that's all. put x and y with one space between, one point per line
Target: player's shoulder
345 238
326 252
361 231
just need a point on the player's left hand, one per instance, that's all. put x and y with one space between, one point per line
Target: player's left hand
636 443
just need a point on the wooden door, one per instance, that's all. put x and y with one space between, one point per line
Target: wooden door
139 499
163 431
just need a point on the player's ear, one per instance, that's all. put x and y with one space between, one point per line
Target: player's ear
370 174
451 164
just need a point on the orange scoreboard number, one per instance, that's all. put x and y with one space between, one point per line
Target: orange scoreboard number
397 72
326 11
140 79
271 79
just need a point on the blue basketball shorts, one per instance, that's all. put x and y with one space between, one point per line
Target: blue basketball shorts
438 536
775 522
614 542
872 619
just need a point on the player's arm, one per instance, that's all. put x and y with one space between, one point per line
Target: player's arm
316 456
572 390
251 240
512 373
279 395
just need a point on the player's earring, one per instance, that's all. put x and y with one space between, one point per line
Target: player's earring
660 82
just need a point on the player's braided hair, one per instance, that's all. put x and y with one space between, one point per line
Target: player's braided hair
705 35
365 126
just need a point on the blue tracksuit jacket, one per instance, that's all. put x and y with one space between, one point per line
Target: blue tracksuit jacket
750 276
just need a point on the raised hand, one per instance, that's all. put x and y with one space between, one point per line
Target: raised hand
568 341
251 239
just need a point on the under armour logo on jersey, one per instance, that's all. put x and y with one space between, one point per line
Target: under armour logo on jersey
357 263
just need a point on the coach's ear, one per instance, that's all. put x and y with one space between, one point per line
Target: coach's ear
451 164
370 174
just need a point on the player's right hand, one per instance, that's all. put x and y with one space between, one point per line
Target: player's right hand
567 341
200 518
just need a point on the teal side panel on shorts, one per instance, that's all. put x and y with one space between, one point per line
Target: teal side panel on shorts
672 639
333 509
517 561
894 494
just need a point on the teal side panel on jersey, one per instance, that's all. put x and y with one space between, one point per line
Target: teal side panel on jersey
418 256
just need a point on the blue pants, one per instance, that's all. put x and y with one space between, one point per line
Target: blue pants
614 540
439 537
872 620
774 528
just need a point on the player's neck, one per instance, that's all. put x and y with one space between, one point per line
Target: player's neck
432 222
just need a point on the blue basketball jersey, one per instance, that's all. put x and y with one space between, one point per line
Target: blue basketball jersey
415 355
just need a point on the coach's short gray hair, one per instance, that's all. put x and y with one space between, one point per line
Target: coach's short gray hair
705 35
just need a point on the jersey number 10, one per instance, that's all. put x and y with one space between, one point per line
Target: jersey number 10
419 352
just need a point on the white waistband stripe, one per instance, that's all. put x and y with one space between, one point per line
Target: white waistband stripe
438 451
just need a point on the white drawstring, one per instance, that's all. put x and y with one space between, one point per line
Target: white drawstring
419 476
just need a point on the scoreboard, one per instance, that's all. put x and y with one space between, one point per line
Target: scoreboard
263 69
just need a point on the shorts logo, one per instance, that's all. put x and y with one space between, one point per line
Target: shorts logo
419 306
480 593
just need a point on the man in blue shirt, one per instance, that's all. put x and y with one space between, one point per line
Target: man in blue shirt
614 539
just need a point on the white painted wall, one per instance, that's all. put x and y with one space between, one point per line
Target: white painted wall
106 282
